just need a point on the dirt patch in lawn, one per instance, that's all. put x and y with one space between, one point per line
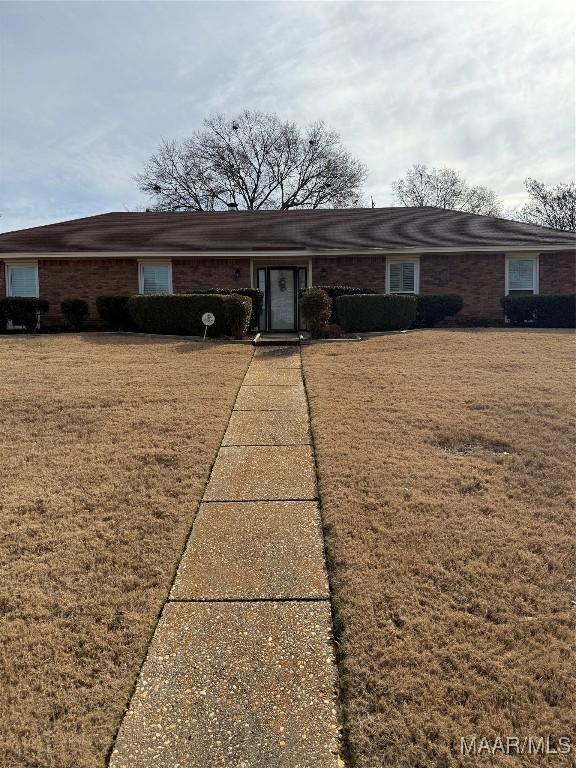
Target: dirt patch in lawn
105 446
446 463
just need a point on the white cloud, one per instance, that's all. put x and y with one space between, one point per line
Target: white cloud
88 89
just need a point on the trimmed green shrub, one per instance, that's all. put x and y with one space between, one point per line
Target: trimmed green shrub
237 315
434 308
114 311
181 314
75 312
393 312
316 307
549 311
255 294
22 312
334 291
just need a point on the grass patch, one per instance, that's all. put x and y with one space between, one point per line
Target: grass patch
105 446
446 475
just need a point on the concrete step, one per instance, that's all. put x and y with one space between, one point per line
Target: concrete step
277 339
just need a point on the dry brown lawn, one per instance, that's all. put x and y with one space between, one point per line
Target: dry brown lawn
105 446
446 463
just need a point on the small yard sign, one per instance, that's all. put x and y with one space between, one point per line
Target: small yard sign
208 320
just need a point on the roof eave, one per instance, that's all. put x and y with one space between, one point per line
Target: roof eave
308 252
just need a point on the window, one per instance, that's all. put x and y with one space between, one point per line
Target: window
261 275
22 280
521 276
403 276
156 278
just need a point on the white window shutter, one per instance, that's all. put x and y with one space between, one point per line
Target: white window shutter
402 277
23 281
395 278
408 277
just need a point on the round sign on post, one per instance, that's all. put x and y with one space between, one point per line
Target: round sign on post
208 319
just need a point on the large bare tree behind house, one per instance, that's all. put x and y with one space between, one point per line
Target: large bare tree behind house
549 205
444 188
255 161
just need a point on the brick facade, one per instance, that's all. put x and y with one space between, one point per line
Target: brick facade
557 272
60 279
199 274
479 278
356 271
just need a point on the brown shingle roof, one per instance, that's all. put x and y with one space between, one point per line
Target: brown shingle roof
355 228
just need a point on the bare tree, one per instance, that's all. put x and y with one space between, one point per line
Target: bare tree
444 188
549 206
254 162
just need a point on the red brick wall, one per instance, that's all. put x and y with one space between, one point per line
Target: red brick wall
199 274
557 272
86 279
478 278
355 271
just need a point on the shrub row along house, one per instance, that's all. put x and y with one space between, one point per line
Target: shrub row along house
389 250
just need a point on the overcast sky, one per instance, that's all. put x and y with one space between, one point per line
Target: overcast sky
88 89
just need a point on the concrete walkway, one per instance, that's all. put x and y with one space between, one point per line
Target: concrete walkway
240 672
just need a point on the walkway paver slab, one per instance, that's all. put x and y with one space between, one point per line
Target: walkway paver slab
293 363
242 551
263 473
271 398
283 357
267 428
234 685
273 375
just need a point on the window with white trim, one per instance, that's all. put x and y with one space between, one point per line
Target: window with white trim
22 280
156 278
403 276
521 276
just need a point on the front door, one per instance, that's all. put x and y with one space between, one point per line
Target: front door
281 286
282 293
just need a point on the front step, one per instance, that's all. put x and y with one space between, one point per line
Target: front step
277 339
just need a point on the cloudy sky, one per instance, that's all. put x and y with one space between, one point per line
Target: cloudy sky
87 90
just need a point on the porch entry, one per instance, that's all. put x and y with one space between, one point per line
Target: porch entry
281 286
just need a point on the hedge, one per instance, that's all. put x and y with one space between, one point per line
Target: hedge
237 314
255 294
75 312
335 291
434 308
181 314
316 307
21 311
114 311
393 312
550 311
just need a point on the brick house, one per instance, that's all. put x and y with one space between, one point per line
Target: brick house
410 250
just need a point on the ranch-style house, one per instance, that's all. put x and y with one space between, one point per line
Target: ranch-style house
393 250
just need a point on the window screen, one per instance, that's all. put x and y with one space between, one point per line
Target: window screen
521 276
402 277
155 278
23 281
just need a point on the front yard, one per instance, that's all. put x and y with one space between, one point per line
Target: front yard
446 463
446 477
105 446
